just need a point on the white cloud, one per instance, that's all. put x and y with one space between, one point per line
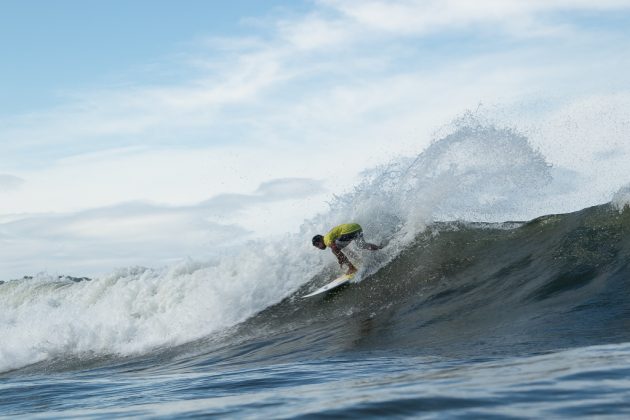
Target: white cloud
426 16
250 74
316 32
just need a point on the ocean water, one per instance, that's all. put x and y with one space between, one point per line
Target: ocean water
475 308
589 381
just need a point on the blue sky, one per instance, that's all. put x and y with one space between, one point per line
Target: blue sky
114 110
68 44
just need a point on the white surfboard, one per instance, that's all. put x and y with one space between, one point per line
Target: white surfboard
333 284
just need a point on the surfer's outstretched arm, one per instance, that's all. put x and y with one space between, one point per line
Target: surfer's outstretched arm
340 255
342 258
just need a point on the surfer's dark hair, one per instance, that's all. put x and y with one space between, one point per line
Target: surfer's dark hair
318 239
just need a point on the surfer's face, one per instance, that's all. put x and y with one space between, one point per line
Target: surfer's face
320 245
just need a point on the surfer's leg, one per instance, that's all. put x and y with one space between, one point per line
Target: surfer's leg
365 245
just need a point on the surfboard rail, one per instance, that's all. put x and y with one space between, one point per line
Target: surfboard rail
343 279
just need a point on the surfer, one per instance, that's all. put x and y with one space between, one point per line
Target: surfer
339 237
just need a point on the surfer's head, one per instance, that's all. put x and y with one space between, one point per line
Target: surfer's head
318 241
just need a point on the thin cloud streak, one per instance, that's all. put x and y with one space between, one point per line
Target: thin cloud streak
141 233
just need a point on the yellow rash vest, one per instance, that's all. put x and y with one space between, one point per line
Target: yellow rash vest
340 230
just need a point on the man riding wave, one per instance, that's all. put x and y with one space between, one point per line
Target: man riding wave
339 237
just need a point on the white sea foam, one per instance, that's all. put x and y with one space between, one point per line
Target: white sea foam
135 310
475 173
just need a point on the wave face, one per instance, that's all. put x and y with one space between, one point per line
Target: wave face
438 286
465 290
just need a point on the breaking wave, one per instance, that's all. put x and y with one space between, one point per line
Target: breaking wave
443 278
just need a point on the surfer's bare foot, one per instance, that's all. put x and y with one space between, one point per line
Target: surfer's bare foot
351 270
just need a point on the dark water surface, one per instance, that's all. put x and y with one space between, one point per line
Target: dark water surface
589 381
